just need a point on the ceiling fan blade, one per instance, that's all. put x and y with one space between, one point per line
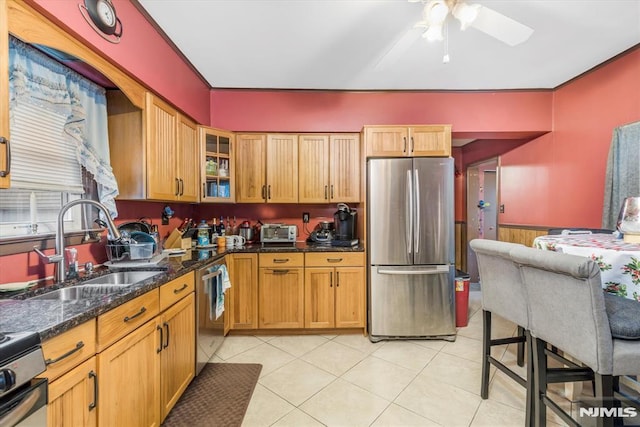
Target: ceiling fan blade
501 27
399 47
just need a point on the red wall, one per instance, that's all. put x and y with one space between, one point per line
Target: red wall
141 51
557 180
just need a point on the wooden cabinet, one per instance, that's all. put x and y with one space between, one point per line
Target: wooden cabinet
250 168
73 398
281 290
267 168
154 152
129 386
408 141
217 166
172 153
329 168
4 97
334 290
72 375
177 357
243 294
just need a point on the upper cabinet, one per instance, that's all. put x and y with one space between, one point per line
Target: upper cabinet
217 163
266 168
154 152
172 153
329 168
408 141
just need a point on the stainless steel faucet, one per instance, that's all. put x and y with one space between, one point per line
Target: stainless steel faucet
59 256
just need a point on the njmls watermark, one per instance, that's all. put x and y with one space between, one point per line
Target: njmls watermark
608 412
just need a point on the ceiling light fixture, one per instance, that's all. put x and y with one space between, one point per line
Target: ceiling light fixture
436 12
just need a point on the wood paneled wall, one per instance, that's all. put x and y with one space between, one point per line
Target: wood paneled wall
520 234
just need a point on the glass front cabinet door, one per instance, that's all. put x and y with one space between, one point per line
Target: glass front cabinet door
218 166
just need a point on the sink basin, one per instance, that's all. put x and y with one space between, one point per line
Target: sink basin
123 278
75 293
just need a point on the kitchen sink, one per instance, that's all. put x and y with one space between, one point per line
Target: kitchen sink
75 293
122 278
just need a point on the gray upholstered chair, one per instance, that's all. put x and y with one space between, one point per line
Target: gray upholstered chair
566 306
502 294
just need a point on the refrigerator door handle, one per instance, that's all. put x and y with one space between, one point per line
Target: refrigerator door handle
408 214
438 269
416 235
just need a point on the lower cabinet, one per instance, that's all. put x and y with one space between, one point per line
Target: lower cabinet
281 297
73 397
177 357
334 296
243 295
129 380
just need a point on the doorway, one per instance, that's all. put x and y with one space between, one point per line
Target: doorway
482 208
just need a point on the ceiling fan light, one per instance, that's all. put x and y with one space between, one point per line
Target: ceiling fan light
433 33
465 13
436 12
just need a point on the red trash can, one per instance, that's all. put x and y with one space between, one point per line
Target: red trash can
462 301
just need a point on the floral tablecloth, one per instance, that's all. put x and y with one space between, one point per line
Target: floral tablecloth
619 261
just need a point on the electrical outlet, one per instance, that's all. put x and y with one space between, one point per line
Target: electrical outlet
501 208
305 217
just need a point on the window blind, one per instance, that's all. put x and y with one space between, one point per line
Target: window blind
42 156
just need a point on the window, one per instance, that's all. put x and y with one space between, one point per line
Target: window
59 144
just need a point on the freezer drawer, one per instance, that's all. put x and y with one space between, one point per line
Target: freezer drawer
411 302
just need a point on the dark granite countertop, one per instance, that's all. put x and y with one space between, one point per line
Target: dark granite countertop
52 317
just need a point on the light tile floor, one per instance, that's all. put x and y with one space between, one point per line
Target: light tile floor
347 381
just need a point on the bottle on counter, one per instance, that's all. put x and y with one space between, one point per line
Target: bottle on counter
222 229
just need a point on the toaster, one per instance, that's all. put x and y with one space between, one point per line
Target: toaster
278 233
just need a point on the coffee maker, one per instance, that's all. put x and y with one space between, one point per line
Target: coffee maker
344 221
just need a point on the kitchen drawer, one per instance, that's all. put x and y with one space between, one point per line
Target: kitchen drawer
282 259
67 350
334 259
173 291
123 319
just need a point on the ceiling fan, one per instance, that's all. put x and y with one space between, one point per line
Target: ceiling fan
495 24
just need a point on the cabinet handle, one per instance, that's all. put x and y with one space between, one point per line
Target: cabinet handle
280 271
331 279
159 328
6 172
93 404
204 190
128 318
178 290
78 346
412 145
325 193
334 259
404 138
331 191
181 187
337 279
177 187
264 192
280 260
166 344
268 191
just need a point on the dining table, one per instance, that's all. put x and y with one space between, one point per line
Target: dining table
619 261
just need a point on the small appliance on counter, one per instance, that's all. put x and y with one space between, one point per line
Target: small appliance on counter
324 233
278 234
344 220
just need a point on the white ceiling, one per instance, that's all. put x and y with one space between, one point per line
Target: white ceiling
339 44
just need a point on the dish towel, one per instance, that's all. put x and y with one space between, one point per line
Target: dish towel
215 287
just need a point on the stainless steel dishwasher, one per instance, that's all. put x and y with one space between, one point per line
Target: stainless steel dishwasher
210 330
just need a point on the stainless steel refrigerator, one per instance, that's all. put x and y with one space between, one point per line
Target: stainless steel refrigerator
411 261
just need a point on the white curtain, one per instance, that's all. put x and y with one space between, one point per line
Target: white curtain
37 82
623 172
